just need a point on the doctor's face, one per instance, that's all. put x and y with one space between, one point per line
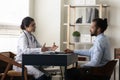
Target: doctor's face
31 27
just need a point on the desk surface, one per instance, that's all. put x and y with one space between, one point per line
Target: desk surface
49 59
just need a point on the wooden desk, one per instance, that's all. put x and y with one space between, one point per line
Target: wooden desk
48 60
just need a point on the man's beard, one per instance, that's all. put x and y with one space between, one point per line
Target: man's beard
95 33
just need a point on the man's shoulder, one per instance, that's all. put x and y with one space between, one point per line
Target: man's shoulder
102 39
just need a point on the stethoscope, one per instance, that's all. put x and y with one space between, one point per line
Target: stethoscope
28 39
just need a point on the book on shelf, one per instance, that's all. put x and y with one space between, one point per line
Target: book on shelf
91 13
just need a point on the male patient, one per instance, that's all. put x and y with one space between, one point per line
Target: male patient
99 53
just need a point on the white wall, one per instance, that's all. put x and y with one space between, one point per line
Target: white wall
47 16
31 8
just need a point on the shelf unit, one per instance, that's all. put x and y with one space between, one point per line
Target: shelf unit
78 24
68 24
73 43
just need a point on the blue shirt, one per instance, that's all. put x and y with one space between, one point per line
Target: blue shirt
99 53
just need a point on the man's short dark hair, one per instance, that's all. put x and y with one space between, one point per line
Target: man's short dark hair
101 23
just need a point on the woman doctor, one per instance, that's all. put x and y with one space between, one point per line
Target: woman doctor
27 44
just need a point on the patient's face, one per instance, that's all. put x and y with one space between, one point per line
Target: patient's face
93 29
31 27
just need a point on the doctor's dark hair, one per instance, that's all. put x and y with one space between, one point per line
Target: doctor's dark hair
101 23
26 22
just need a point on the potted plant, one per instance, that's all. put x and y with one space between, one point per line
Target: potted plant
76 36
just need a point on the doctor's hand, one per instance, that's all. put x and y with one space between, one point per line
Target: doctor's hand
54 47
68 51
44 48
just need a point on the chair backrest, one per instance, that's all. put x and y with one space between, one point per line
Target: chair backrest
11 62
104 72
116 56
109 67
117 53
3 64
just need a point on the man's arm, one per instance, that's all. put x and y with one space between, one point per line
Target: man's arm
82 52
96 55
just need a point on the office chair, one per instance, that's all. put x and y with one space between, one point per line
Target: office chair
101 73
10 61
117 56
3 64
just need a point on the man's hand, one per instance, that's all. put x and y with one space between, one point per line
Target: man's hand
68 51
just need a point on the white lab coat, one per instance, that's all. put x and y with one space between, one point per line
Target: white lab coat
27 44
